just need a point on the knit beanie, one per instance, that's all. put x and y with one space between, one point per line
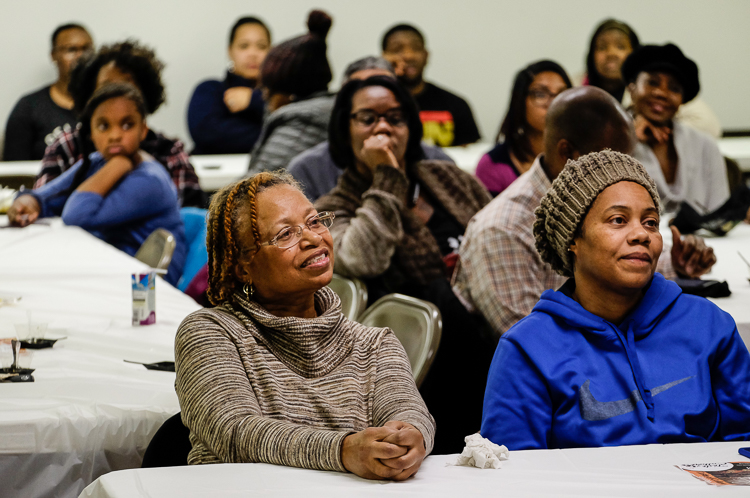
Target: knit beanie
566 203
299 66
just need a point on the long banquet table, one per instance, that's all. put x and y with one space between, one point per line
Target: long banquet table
620 471
216 171
88 412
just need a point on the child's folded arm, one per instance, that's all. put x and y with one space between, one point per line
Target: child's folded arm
52 196
139 195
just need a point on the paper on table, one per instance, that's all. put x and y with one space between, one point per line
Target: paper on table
482 453
720 474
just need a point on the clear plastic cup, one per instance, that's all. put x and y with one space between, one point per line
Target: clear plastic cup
31 329
24 358
6 353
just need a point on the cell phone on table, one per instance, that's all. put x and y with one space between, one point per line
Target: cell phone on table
745 452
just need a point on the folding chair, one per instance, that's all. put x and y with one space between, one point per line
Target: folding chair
156 251
353 295
416 323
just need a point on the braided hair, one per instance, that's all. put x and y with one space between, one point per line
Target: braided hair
223 238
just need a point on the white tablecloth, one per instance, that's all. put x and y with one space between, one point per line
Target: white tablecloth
216 171
88 412
738 148
645 471
730 267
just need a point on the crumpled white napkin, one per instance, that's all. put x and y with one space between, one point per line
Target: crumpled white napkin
482 453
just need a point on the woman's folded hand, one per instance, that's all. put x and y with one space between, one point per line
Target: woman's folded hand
394 451
363 453
406 436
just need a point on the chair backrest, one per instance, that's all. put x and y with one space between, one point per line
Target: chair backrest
170 445
156 251
353 295
17 181
416 323
194 220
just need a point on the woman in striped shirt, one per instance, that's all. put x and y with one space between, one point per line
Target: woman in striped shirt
275 373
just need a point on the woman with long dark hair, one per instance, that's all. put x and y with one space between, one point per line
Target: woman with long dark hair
399 220
522 128
610 45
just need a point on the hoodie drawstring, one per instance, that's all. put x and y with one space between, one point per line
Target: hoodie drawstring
635 366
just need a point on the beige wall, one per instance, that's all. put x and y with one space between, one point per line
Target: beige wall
476 45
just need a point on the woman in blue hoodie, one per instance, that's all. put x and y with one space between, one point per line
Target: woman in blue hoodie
618 355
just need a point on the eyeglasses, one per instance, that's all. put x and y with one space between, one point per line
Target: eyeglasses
367 118
542 98
289 236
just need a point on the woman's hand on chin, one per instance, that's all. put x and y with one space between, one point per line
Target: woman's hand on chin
376 150
388 452
648 132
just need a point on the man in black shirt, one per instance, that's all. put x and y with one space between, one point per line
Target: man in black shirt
39 114
446 117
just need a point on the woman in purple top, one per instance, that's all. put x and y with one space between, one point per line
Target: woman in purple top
523 127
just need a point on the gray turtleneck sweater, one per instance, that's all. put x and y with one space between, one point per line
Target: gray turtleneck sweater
254 387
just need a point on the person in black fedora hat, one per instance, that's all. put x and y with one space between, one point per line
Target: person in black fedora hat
685 163
668 59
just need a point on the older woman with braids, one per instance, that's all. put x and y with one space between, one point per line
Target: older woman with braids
275 373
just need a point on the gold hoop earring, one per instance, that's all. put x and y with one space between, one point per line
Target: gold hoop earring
249 290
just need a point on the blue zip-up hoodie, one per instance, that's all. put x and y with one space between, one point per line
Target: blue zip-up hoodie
674 371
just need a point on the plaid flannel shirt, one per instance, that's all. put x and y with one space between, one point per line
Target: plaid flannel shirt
65 151
499 272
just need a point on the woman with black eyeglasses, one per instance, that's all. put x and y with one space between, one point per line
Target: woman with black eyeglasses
275 373
522 128
399 221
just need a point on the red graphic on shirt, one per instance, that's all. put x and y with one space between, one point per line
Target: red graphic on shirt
438 127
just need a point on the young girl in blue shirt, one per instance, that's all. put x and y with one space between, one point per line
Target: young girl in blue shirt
119 193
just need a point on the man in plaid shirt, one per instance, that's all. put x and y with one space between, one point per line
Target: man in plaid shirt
500 273
65 151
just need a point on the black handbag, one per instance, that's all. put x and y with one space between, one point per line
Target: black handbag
721 221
